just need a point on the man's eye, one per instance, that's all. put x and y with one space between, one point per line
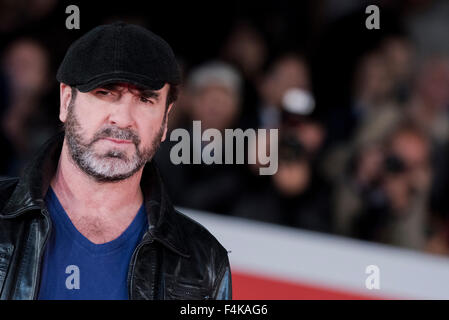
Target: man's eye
102 92
146 100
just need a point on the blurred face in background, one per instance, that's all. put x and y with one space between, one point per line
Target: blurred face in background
246 48
369 165
414 150
288 72
292 177
112 131
398 54
26 66
433 83
411 149
397 189
309 133
373 83
216 106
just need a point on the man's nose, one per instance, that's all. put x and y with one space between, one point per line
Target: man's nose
122 111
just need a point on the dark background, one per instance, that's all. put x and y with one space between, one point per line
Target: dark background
341 56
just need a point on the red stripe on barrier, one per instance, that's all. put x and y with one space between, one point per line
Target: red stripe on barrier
246 286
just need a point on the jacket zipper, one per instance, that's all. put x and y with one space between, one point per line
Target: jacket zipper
39 265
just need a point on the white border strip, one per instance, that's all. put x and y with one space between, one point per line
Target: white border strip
327 261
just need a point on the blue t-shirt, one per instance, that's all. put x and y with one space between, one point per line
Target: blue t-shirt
75 268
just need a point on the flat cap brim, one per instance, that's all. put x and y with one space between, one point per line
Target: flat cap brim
137 80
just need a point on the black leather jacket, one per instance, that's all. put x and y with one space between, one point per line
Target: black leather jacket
177 258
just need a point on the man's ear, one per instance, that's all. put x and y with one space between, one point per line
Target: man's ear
166 122
65 94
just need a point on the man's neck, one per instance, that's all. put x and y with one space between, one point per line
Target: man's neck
110 207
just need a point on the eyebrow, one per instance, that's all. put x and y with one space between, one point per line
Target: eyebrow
146 93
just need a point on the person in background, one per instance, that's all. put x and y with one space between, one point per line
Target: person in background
246 49
299 117
25 122
296 195
397 184
429 103
288 71
214 93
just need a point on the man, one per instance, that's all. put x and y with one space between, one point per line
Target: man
89 218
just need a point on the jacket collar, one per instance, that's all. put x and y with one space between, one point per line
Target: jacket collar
163 221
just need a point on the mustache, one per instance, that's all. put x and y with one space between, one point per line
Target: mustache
116 133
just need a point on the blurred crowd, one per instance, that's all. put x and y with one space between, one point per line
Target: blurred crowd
363 120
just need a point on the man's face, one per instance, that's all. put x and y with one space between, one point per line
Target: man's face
216 106
112 131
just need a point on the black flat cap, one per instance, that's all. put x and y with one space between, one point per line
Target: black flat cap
119 52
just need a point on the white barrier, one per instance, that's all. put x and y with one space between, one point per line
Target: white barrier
326 261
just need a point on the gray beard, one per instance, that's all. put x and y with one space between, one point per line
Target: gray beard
114 165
